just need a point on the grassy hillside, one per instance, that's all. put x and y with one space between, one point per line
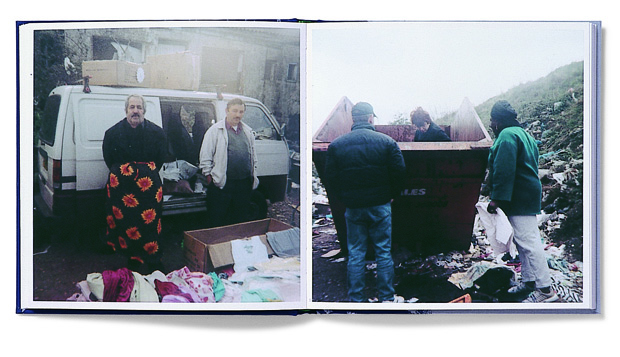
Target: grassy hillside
534 98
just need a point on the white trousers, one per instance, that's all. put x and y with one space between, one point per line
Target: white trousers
534 265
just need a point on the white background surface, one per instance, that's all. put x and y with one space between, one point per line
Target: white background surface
327 335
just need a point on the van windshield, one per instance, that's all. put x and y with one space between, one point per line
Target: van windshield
260 123
47 132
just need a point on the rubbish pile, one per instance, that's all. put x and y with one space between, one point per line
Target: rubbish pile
486 276
481 273
558 127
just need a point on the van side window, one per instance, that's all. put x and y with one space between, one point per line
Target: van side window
47 132
260 123
185 123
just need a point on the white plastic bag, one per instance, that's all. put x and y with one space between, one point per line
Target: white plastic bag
178 170
498 229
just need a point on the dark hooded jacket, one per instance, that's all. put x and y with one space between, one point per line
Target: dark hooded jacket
434 133
364 168
513 172
513 164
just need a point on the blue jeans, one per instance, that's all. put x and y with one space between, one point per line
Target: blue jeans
364 225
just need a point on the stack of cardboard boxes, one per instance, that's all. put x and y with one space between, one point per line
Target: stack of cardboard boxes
169 71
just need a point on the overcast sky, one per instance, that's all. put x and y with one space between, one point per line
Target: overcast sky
399 66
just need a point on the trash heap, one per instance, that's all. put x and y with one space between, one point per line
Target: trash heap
479 273
558 127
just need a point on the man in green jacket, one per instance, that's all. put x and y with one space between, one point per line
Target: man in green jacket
516 189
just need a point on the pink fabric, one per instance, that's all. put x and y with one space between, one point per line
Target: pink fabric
117 285
198 282
167 289
175 299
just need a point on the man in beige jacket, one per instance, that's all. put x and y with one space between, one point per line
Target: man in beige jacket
228 160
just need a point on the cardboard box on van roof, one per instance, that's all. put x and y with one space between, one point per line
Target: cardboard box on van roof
116 73
208 249
174 71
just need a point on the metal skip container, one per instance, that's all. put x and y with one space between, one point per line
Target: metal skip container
435 211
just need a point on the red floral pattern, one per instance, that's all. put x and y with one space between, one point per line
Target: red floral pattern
126 169
151 248
144 183
111 222
133 233
113 180
130 200
133 211
138 259
118 214
159 195
149 215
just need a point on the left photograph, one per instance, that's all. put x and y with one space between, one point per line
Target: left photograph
166 166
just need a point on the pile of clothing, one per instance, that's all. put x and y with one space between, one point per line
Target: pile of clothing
255 277
181 178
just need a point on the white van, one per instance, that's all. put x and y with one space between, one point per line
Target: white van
71 170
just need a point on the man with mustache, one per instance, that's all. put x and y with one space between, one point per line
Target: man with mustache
228 160
134 150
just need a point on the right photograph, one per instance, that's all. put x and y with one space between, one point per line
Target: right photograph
453 163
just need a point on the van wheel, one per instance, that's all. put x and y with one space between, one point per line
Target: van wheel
258 205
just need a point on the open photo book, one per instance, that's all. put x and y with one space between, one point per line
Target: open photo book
293 167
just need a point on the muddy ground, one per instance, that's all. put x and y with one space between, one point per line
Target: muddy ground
426 279
330 273
61 262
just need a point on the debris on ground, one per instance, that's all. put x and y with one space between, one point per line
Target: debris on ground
478 273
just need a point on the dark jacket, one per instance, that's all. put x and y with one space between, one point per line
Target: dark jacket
513 172
364 168
146 143
434 133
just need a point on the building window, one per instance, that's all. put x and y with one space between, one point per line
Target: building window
270 70
292 75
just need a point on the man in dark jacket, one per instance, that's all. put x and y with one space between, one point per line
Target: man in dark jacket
516 189
134 150
426 129
364 170
134 138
